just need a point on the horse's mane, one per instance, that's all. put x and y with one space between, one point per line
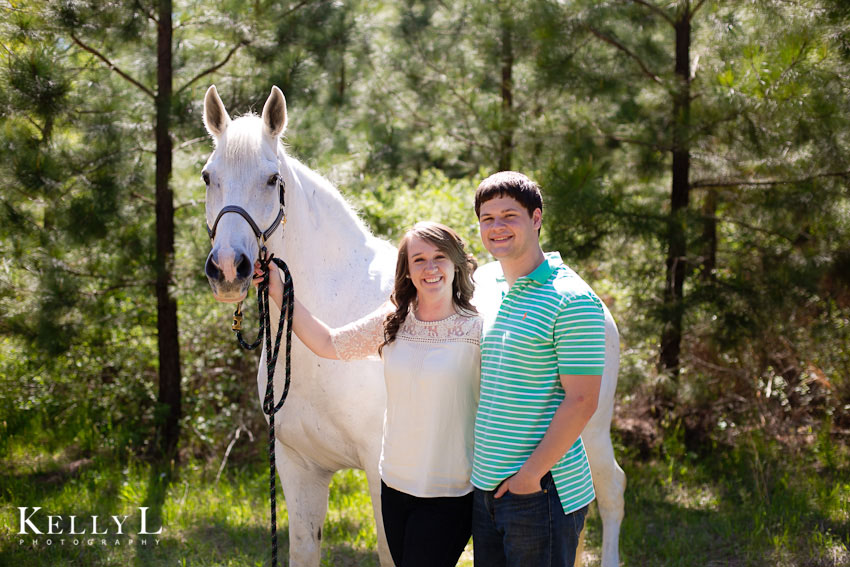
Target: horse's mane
243 139
328 190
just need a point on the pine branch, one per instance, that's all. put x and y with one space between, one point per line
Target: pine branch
214 68
696 8
637 142
191 203
716 183
148 13
657 10
191 142
112 66
627 51
142 198
749 227
797 58
38 127
117 287
296 7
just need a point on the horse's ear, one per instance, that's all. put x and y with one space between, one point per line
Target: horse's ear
216 118
274 113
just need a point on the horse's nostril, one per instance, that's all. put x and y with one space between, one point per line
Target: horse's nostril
212 270
245 268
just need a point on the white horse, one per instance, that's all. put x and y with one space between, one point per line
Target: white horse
333 416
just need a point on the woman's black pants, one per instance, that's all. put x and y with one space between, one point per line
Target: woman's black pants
425 532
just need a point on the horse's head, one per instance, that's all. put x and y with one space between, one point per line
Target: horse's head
244 190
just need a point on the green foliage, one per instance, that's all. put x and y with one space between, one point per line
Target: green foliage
766 223
65 294
391 207
78 233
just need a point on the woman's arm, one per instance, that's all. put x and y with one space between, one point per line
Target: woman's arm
357 340
312 331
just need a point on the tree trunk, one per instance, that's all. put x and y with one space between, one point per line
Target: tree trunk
671 337
506 134
169 347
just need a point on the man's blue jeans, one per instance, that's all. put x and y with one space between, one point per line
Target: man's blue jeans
524 530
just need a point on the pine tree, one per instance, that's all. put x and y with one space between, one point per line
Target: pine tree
737 109
120 51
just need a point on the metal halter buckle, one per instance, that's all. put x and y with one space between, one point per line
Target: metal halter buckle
237 318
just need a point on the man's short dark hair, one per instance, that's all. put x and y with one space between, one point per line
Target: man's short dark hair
509 184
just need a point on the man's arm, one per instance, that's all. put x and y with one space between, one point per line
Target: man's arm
576 409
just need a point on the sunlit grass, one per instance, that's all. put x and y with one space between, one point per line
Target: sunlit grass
750 506
203 522
756 504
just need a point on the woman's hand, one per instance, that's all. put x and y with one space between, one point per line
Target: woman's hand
312 331
275 282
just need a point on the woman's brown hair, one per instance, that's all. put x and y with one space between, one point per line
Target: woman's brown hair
404 292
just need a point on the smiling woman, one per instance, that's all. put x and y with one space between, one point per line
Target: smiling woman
428 335
434 273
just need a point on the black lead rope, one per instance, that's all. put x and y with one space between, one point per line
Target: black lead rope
269 407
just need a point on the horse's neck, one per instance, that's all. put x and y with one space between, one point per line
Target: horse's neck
320 228
339 269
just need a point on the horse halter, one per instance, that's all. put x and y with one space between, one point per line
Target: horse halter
261 235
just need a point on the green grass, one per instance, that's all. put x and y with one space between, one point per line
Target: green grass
757 504
204 523
753 505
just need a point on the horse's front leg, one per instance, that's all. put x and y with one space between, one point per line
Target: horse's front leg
305 487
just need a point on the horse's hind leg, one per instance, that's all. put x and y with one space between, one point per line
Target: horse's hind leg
374 478
306 489
609 481
579 562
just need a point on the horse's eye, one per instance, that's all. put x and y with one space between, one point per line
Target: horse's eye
206 177
273 179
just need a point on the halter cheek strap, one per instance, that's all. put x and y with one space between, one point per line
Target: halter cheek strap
261 235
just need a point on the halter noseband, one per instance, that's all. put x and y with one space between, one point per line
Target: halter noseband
261 235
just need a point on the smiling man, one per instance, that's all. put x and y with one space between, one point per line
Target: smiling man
542 358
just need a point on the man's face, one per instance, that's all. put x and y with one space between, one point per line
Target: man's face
507 230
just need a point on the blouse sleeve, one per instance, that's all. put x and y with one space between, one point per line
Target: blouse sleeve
360 339
478 329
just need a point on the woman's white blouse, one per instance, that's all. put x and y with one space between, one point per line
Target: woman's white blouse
432 372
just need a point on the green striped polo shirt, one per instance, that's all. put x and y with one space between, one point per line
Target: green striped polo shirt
549 323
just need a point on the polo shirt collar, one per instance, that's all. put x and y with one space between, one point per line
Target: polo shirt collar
541 273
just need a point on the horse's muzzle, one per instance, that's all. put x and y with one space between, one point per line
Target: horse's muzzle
229 276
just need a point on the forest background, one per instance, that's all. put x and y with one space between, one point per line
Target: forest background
695 157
